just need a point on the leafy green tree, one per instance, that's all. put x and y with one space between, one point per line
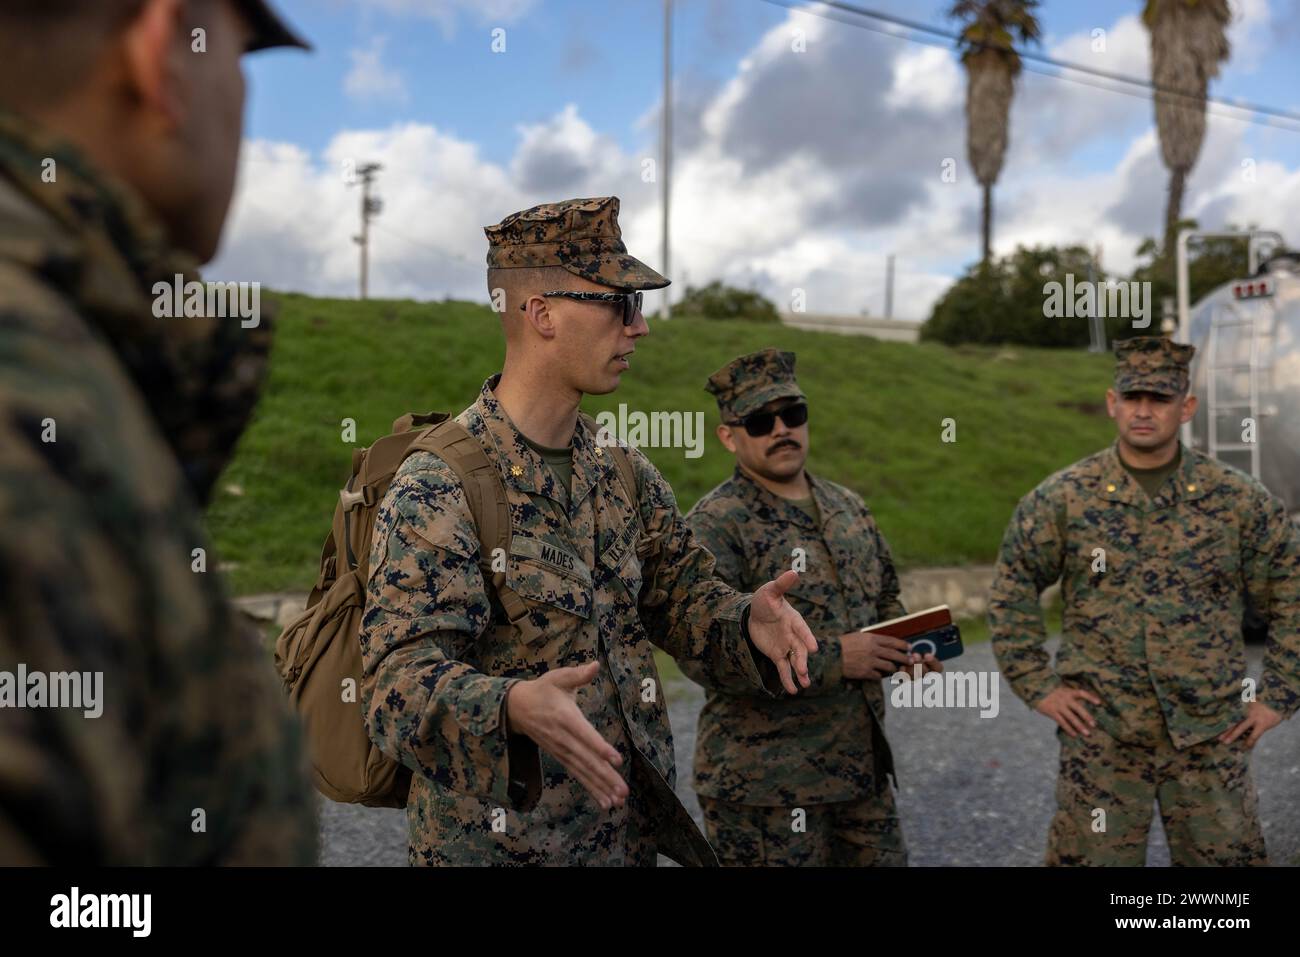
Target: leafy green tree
1003 301
720 301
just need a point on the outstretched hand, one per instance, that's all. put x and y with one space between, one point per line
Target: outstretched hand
546 709
779 632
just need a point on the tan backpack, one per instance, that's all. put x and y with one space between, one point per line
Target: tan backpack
318 656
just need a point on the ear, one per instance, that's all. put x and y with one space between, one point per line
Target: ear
1189 409
1111 401
151 54
726 438
538 316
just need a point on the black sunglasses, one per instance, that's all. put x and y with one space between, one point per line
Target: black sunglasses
631 301
762 423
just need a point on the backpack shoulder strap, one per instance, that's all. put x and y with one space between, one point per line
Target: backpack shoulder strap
626 475
485 492
623 464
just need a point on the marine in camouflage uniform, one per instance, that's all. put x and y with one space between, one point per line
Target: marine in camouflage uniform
1154 587
114 425
759 761
603 579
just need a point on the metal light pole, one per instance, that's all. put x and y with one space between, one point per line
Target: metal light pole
889 286
667 144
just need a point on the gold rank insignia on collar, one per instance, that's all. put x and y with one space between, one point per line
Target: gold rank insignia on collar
516 470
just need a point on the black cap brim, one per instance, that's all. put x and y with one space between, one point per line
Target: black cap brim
269 29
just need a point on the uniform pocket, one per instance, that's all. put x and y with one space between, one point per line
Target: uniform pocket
629 573
808 601
544 573
623 558
1209 562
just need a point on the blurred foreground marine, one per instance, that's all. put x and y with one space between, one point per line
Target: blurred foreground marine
798 781
138 720
1157 548
521 688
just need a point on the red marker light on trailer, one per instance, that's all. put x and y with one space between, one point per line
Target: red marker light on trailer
1251 290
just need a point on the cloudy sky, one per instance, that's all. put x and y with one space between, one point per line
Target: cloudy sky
807 148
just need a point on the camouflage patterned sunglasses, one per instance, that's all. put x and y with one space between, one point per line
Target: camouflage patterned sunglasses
631 301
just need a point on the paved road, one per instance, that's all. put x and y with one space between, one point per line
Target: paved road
972 791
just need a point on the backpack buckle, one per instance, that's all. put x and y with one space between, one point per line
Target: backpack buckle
351 499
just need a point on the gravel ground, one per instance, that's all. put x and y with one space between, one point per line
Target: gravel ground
973 791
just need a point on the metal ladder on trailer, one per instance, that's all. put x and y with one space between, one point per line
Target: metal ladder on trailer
1255 238
1232 317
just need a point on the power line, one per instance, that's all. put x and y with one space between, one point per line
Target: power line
1257 121
421 243
951 37
393 263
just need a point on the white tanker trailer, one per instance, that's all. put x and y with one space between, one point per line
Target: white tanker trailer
1246 371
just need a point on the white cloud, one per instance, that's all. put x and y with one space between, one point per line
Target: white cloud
788 181
928 77
565 153
1248 34
369 78
295 216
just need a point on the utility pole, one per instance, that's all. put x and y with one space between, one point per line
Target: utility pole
1096 324
370 207
889 286
667 140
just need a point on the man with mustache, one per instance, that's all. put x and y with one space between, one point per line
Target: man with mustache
798 781
1157 547
521 688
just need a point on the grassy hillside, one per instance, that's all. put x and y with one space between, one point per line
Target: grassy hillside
876 413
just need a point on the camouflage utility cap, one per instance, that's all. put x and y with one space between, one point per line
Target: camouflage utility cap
746 384
269 28
582 235
1152 364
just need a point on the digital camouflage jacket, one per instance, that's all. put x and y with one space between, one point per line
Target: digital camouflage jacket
599 584
1154 592
113 428
827 743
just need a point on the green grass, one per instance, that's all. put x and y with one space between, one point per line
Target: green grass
877 409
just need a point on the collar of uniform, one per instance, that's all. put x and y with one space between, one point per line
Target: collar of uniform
768 507
591 463
1188 482
94 239
1192 479
521 467
525 470
1114 484
828 504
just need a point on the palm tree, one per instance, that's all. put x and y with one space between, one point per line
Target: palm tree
1188 42
987 43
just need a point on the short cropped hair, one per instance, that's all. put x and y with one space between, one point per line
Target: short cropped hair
522 281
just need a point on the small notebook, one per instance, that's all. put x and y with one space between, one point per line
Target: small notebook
929 631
